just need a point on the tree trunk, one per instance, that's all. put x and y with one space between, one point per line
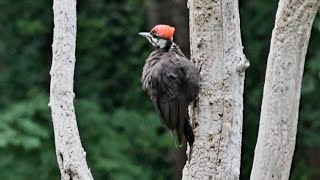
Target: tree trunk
280 104
216 49
70 154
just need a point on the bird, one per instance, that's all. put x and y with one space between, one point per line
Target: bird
172 82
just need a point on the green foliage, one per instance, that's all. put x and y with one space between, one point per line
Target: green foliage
115 66
121 143
125 145
24 48
21 126
26 142
123 139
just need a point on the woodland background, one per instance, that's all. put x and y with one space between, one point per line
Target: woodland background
119 129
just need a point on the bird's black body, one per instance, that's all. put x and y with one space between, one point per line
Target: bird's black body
172 82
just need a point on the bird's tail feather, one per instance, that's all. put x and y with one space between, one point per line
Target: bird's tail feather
188 133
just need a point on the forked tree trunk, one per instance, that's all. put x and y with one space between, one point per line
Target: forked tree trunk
281 96
70 154
216 49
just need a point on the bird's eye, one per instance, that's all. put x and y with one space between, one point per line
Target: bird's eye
154 35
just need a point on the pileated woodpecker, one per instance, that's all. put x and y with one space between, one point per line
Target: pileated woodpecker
171 80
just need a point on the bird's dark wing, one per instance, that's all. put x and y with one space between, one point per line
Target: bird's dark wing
172 83
171 97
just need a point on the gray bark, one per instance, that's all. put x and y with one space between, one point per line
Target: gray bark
216 48
281 96
70 154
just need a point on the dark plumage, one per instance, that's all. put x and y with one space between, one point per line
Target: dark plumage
171 81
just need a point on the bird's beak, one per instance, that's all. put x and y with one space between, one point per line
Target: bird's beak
145 34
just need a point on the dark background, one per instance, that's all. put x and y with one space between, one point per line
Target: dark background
119 129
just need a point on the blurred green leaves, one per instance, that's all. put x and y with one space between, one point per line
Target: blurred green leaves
125 144
122 144
21 124
123 138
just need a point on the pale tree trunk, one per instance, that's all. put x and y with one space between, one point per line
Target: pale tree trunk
281 96
70 154
216 48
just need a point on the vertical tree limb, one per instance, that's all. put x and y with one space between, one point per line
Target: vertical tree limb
281 95
216 47
70 154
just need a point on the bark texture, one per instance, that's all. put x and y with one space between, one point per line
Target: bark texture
70 154
216 48
281 96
